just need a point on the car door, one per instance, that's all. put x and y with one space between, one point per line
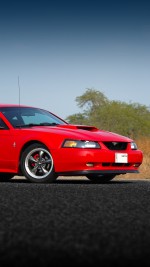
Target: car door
6 147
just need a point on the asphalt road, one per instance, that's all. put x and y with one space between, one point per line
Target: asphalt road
75 223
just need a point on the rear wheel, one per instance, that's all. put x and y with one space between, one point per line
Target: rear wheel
100 178
37 164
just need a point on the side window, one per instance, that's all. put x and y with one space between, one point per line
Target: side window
3 126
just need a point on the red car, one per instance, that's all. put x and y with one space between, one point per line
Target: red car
40 146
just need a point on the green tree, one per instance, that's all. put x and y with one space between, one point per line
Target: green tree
91 100
130 119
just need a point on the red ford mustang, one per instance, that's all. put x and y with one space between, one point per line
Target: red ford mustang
40 146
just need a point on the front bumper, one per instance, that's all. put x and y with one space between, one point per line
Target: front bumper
84 161
100 172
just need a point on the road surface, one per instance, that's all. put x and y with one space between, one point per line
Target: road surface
75 222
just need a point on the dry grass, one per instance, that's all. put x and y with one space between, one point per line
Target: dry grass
144 145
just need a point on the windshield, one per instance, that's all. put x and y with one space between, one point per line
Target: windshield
28 117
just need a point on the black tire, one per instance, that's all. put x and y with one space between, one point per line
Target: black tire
37 164
100 178
5 177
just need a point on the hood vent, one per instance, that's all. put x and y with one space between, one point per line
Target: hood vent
80 127
87 128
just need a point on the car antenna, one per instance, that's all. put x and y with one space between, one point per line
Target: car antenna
19 111
19 89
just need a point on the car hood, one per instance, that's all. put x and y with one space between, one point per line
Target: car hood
82 132
93 132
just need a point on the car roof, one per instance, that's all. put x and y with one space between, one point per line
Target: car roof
13 105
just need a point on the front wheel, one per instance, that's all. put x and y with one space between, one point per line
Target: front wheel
37 164
100 178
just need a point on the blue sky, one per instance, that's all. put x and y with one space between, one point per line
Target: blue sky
60 48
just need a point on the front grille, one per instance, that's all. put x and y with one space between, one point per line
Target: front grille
116 145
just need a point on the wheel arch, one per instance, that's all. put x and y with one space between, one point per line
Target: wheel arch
29 143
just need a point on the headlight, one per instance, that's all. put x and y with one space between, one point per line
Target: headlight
80 144
133 146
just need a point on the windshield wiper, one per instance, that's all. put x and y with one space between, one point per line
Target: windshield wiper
35 124
48 124
26 125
